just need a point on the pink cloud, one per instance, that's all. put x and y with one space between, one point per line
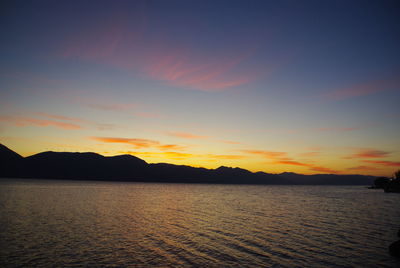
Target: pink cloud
186 135
61 117
364 89
141 143
137 143
126 48
29 121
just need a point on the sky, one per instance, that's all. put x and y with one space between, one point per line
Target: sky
275 86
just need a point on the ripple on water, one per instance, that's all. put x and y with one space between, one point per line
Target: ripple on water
53 223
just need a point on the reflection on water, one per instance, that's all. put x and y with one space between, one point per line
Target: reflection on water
54 224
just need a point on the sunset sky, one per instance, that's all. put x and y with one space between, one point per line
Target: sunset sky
301 86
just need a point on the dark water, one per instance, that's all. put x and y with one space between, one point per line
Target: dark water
92 224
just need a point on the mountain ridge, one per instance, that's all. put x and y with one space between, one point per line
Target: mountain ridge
94 166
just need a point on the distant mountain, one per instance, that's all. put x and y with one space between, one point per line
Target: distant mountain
327 179
92 166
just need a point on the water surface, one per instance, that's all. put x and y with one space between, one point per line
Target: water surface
76 223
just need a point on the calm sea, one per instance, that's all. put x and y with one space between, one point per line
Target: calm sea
93 224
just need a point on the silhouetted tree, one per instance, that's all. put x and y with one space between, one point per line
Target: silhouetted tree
396 175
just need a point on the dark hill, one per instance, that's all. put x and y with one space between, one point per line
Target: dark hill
8 155
10 162
92 166
65 165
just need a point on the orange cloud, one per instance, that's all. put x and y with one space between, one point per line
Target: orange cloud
364 89
383 163
178 155
171 147
228 157
310 166
28 121
370 154
171 155
268 154
282 159
141 143
137 143
324 169
291 162
186 135
61 117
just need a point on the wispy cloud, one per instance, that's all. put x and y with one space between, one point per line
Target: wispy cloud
368 88
369 153
293 163
325 170
230 142
383 163
29 121
310 154
281 158
268 154
61 117
141 143
339 129
126 47
105 105
186 135
184 71
136 143
171 147
182 156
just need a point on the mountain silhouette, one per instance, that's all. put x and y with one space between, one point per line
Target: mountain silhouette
93 166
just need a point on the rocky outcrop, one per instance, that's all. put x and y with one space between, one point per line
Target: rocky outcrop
394 248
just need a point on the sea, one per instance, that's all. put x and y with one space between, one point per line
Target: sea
49 223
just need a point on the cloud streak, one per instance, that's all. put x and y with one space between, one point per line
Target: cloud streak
383 163
141 143
268 154
359 90
123 46
366 153
183 156
136 143
186 135
29 121
281 158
